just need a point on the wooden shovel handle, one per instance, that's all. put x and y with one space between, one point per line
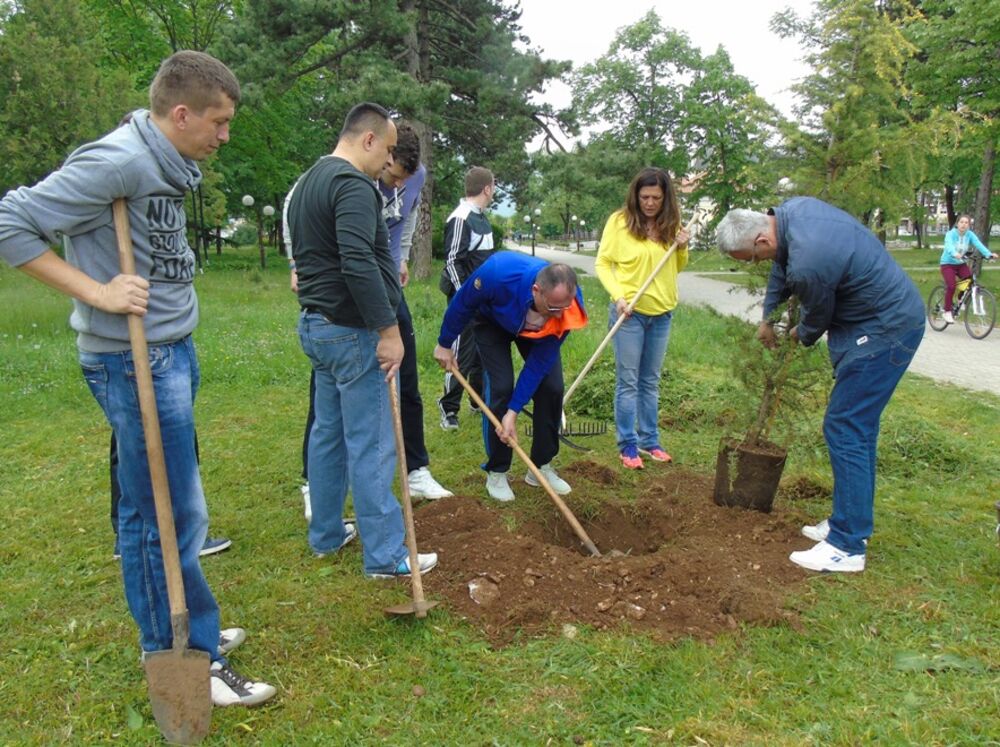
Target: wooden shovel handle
416 582
560 504
154 443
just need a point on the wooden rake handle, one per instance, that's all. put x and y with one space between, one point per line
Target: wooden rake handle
154 443
560 504
698 217
417 583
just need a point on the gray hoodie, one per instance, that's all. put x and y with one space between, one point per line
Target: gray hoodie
72 206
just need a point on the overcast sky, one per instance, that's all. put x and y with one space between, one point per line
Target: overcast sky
583 32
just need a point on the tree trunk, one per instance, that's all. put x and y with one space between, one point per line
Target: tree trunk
985 191
949 203
418 61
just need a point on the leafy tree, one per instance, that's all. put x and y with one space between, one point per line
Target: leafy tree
54 94
453 67
635 90
727 127
957 70
854 114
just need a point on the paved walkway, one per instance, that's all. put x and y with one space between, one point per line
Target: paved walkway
949 356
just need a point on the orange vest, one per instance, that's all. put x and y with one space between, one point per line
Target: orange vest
574 317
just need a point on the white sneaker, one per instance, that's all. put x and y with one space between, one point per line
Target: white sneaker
423 485
558 484
230 639
498 487
948 317
305 497
229 687
828 559
817 532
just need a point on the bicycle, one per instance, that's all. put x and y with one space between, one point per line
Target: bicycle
977 303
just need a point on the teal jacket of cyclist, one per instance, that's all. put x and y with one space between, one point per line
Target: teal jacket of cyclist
848 285
956 244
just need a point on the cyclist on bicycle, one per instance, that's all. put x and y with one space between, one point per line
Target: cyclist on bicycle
957 243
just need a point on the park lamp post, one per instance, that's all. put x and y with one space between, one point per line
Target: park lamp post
572 226
534 228
579 233
248 201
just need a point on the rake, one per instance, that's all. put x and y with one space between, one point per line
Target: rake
566 430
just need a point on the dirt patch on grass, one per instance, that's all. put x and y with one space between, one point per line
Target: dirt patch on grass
673 564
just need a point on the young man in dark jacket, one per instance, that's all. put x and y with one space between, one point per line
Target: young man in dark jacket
514 298
851 289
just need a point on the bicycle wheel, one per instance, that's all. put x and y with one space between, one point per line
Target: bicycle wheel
980 313
935 308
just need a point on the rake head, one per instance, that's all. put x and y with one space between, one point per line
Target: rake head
576 429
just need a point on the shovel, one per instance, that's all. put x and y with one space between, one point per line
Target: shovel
419 605
560 504
178 678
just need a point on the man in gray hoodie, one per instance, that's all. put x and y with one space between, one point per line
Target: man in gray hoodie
151 162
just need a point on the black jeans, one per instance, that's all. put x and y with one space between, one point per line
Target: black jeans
411 406
471 366
494 348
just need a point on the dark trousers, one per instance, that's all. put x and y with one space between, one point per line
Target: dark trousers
469 363
116 491
411 406
494 344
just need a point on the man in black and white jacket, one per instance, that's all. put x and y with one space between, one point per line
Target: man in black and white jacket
468 242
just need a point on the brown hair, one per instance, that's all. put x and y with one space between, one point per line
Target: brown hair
407 151
477 179
194 79
667 222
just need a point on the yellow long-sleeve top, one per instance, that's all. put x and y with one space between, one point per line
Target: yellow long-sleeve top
624 262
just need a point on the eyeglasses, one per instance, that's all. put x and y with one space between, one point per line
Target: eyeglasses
555 309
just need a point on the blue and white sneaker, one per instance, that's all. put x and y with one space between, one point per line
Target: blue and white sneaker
826 558
426 560
213 545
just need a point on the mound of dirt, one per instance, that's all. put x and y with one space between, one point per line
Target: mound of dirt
673 563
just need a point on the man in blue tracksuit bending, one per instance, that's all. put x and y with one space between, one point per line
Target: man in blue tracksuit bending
514 298
851 289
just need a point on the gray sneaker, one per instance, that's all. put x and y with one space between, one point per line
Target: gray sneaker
350 532
498 487
558 484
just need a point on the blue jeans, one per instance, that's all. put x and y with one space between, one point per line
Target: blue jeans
351 444
640 345
863 388
111 378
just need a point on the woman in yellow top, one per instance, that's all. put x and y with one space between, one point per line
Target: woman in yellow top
633 242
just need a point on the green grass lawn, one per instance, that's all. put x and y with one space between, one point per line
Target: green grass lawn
906 653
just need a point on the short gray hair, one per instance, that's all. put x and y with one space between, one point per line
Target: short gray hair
739 229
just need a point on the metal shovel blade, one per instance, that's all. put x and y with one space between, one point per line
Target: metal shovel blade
180 693
412 608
